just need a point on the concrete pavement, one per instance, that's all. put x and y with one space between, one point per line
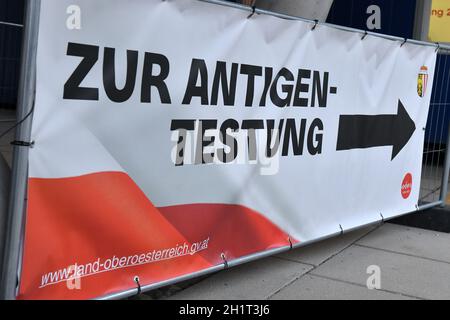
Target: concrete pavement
414 264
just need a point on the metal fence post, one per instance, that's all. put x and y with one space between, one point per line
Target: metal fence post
15 216
446 171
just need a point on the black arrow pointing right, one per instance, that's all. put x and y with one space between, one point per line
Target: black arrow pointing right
368 131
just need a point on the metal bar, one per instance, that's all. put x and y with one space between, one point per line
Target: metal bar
222 266
133 292
422 19
437 150
15 217
11 24
252 257
429 205
285 16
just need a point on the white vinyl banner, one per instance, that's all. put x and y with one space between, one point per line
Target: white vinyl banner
173 135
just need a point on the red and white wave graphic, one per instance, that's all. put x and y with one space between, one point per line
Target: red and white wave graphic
77 220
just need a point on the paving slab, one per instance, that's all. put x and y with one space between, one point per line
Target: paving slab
311 287
408 275
256 280
411 241
317 253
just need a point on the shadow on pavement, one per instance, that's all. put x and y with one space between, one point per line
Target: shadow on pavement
436 219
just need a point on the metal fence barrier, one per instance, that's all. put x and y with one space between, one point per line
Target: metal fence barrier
434 183
436 155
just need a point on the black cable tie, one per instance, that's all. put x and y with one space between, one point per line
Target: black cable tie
225 262
316 22
382 218
404 41
253 9
20 143
438 46
290 243
342 230
139 290
365 35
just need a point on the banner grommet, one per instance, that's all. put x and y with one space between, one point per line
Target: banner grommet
404 41
224 258
365 35
139 290
438 46
253 6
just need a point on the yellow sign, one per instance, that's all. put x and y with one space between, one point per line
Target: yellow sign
440 21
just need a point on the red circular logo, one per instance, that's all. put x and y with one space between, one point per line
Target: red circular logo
406 186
